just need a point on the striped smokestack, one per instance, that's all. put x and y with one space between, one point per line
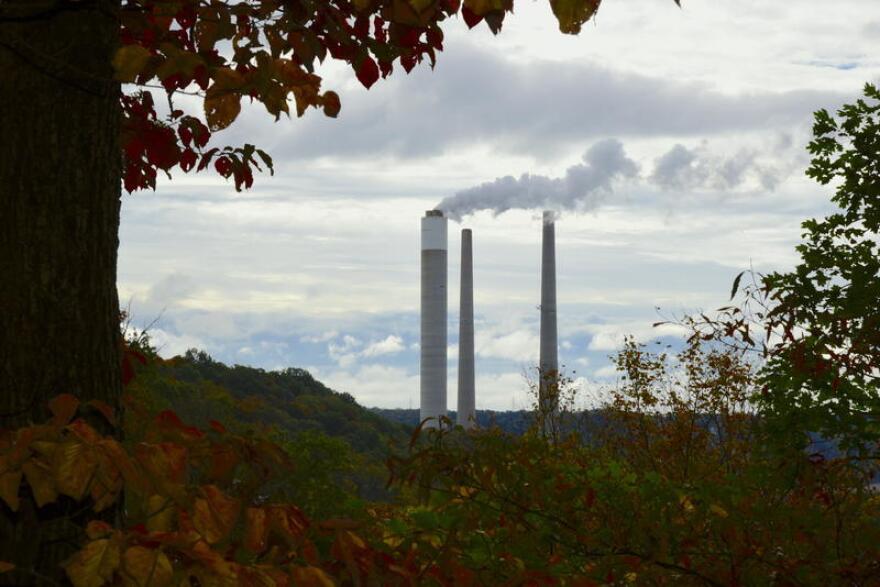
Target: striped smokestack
549 361
467 416
433 332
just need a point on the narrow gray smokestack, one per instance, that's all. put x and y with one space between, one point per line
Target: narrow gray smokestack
549 361
433 333
467 415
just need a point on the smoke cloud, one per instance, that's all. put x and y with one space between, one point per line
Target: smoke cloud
685 169
583 187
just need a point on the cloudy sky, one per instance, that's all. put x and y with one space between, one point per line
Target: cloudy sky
672 141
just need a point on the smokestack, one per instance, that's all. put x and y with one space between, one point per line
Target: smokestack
467 416
433 333
549 361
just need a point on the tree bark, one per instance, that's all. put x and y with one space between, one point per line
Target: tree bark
60 166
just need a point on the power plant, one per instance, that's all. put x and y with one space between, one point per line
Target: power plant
433 333
433 338
548 363
467 414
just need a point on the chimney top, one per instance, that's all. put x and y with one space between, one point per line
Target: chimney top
434 213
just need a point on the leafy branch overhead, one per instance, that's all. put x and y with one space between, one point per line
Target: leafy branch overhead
268 51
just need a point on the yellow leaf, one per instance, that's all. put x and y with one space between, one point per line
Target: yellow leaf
310 577
481 7
160 514
74 466
94 565
42 485
130 61
142 567
571 14
177 61
5 567
223 99
718 510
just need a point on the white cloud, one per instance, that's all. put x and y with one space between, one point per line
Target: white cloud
610 337
170 345
388 346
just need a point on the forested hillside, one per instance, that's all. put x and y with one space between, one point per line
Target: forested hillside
285 403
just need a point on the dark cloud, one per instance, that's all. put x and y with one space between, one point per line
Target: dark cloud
532 107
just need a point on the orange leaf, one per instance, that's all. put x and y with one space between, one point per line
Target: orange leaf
215 514
255 530
287 521
63 408
98 529
143 566
5 567
311 577
94 565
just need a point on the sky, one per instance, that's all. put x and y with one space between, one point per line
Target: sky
671 141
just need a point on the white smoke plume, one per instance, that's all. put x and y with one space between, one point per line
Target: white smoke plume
583 187
684 169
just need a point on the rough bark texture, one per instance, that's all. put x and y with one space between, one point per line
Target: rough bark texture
59 223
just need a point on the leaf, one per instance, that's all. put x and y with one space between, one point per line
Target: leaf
73 465
571 14
143 566
160 514
331 104
9 483
367 72
255 530
94 565
96 529
63 408
735 287
214 514
41 482
129 61
5 567
311 577
223 99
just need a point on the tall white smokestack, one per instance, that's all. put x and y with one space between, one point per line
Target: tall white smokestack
549 361
433 333
467 415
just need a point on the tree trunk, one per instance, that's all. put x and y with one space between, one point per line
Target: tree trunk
60 167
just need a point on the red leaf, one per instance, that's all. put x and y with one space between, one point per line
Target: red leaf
188 159
470 19
223 166
367 72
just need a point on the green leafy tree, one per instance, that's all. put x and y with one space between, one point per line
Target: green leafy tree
818 325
